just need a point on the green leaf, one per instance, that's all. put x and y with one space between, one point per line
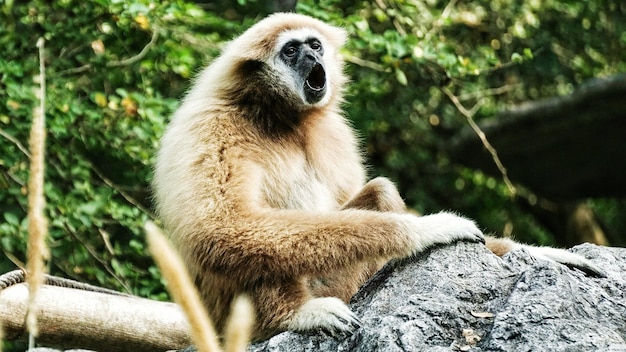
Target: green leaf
528 53
12 219
401 77
517 58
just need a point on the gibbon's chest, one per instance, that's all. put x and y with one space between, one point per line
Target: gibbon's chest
293 183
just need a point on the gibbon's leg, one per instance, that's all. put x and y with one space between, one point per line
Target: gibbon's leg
290 305
331 293
379 194
327 313
327 308
501 246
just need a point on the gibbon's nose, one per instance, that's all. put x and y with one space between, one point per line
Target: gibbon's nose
310 54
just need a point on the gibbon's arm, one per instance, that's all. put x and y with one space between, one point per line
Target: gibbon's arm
501 246
292 243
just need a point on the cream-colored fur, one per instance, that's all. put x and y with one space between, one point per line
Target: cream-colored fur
264 194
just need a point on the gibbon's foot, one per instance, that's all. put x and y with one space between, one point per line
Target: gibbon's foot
442 228
565 257
326 313
501 246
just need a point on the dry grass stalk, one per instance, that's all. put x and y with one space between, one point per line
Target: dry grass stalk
182 289
37 224
239 326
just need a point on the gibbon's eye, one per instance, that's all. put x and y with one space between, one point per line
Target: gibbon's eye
316 45
290 50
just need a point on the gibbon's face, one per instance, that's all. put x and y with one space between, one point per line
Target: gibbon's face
299 56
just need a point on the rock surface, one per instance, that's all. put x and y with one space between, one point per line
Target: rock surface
464 298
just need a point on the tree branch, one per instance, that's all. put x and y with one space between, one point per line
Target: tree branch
469 116
14 140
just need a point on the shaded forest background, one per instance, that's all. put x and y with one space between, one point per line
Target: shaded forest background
116 69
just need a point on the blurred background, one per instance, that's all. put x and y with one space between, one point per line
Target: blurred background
531 74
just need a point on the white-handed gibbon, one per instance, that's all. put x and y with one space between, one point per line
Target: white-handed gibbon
261 185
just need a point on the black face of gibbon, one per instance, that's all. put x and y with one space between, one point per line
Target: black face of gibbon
305 59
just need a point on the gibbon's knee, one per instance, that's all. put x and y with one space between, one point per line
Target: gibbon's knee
379 194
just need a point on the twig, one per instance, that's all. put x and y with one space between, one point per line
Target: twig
141 55
446 12
124 62
37 225
95 256
469 116
488 92
126 196
364 63
440 21
13 259
106 238
17 143
15 179
506 65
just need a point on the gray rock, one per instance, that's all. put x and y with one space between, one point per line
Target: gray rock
464 298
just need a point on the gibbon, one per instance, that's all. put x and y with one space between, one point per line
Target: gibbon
260 183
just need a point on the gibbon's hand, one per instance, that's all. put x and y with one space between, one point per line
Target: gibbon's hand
441 228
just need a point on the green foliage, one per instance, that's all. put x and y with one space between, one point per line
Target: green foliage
490 55
116 68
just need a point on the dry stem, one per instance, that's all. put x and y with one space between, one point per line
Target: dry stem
239 326
182 289
37 224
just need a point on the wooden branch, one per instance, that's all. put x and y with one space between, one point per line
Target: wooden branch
72 318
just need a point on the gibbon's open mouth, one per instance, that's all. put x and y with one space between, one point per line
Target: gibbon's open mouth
316 80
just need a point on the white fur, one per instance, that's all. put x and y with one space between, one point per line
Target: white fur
440 228
328 313
301 189
562 256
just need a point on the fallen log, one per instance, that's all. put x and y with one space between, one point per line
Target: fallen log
101 321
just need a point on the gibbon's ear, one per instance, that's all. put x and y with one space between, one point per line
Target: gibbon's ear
260 39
